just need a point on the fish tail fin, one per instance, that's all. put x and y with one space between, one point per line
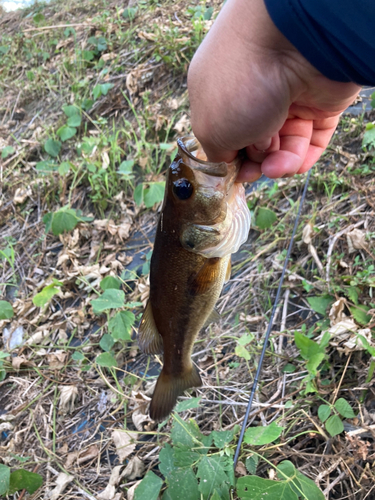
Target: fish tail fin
167 390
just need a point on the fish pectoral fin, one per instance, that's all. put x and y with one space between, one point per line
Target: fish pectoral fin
149 339
214 317
206 277
168 388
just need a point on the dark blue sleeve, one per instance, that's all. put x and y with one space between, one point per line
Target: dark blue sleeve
335 36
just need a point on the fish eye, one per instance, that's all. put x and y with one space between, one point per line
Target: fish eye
182 189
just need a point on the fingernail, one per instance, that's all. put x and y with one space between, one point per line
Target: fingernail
263 146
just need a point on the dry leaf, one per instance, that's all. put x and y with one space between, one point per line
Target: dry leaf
71 458
139 417
88 454
307 234
124 442
110 490
68 395
57 360
131 491
21 194
6 426
183 125
356 240
135 468
241 469
336 314
20 360
61 482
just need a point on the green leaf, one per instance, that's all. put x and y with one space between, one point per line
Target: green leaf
257 488
263 434
106 342
222 438
188 404
212 475
369 138
71 111
38 18
138 194
149 488
7 151
352 294
252 464
324 411
47 219
106 359
185 457
208 14
125 169
183 485
64 168
245 339
309 488
42 298
366 345
74 121
265 218
185 433
4 479
334 425
22 479
52 147
129 13
110 299
154 193
121 324
320 304
289 368
110 282
6 310
344 408
360 314
78 356
166 457
242 352
310 350
64 220
65 133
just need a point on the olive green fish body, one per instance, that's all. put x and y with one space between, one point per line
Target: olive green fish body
198 229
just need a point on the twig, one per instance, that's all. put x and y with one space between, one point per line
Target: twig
341 379
334 482
44 28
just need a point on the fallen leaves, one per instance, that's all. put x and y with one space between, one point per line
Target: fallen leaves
68 396
125 443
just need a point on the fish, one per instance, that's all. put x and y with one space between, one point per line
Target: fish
204 219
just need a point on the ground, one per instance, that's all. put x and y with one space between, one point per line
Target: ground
92 98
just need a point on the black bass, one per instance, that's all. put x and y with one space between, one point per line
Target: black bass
204 219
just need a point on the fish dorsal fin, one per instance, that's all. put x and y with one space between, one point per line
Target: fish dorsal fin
214 317
206 277
149 339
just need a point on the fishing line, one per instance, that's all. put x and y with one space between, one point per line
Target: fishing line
270 324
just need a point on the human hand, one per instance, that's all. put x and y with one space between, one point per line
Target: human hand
251 89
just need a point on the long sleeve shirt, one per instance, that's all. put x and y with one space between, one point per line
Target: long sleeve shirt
336 36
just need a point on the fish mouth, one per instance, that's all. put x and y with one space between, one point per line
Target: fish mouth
189 145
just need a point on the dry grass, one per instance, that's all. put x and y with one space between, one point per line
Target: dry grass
59 413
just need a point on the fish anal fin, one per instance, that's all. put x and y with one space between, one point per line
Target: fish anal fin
214 317
229 269
149 339
206 277
168 388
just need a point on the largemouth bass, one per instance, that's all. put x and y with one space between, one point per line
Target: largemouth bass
204 219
